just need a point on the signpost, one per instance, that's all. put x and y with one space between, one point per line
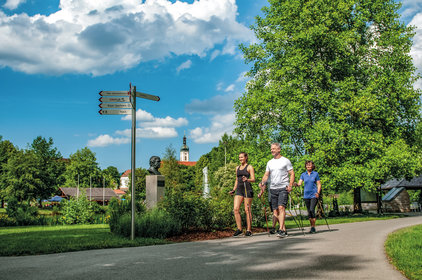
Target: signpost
124 103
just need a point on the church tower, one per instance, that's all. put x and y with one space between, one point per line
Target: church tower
184 151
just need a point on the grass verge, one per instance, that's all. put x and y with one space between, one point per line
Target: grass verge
34 240
404 249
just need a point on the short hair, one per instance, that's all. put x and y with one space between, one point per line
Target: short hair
310 161
276 144
245 155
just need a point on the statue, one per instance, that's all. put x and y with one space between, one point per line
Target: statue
154 164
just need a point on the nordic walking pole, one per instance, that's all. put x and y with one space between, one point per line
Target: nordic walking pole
249 207
265 212
297 221
323 213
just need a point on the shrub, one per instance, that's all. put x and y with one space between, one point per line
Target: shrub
21 214
77 211
190 209
118 208
155 223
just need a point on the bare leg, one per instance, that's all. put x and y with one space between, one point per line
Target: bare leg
237 201
281 217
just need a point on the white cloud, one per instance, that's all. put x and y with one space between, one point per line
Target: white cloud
150 132
229 88
148 126
218 104
101 37
416 51
214 54
185 65
13 4
242 77
106 140
219 125
146 119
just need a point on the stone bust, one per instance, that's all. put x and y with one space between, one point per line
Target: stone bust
154 164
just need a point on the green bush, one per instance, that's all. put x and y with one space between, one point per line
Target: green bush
192 210
345 198
155 224
21 214
77 211
117 208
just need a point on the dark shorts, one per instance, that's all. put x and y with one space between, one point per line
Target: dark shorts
240 190
279 197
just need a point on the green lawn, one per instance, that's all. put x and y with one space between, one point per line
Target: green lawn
33 240
404 248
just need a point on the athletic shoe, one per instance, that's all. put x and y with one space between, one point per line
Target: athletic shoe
248 233
285 232
281 234
273 231
312 230
237 233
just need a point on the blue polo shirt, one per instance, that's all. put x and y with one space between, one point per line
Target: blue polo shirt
310 183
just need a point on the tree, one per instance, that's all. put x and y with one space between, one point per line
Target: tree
140 183
83 165
112 177
49 165
22 177
333 82
7 150
171 169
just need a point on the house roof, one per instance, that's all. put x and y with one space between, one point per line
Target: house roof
119 192
187 163
415 183
126 173
94 193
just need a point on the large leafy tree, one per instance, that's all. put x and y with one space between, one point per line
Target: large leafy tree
7 150
333 82
83 166
112 177
49 166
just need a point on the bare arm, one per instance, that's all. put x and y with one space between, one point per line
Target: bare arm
318 183
251 173
292 180
263 181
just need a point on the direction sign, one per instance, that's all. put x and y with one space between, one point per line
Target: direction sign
116 112
116 105
147 96
114 93
114 99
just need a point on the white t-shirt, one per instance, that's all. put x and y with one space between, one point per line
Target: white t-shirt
279 172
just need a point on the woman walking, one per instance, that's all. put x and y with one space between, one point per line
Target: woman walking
245 175
311 192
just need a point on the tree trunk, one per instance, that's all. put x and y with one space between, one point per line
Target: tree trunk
357 206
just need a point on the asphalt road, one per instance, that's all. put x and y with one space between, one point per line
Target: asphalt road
348 251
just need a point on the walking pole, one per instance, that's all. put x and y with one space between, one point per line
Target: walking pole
297 221
249 207
323 213
265 212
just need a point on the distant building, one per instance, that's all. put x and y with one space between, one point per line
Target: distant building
100 195
184 151
124 180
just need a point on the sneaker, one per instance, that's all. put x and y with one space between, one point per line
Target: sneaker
273 231
285 233
248 233
281 233
312 230
237 233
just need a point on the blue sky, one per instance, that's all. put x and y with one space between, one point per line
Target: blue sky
56 55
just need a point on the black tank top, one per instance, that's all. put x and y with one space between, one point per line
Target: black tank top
240 174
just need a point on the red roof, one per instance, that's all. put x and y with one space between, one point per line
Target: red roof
187 163
119 192
126 173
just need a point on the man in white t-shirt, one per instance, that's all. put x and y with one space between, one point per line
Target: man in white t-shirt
281 174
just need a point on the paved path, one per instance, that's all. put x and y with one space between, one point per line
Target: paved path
349 251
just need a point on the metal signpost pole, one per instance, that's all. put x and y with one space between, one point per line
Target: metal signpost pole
133 99
124 103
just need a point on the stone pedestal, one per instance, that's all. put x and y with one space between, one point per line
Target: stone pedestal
154 190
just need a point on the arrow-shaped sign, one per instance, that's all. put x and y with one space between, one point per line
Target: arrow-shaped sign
115 105
116 112
114 99
111 93
147 96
